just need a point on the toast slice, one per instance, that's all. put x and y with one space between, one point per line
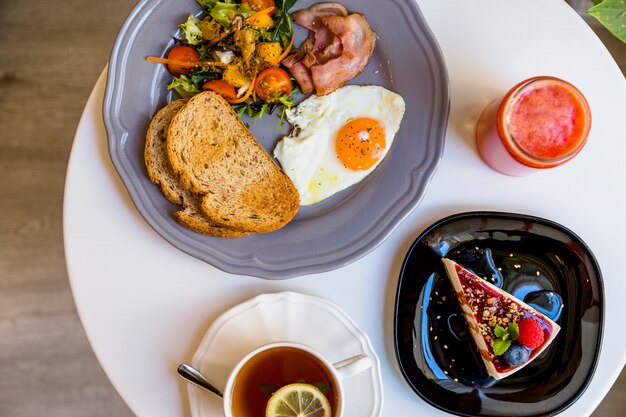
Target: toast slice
214 155
155 154
192 218
160 173
486 306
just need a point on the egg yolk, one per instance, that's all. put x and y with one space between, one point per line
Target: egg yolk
360 143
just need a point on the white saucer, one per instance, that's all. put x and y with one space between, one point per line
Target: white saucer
286 316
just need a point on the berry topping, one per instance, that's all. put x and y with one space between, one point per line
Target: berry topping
530 333
517 354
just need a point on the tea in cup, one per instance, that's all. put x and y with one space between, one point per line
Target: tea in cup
268 368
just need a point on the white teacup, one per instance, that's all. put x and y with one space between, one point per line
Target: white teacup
240 392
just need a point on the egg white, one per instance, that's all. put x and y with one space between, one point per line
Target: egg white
308 154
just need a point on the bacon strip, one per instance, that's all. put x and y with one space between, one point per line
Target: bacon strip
300 72
357 39
308 17
338 48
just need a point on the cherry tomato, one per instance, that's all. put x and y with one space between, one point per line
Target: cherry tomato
272 82
183 54
258 5
222 88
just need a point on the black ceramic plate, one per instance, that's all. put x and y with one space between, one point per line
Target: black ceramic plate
536 260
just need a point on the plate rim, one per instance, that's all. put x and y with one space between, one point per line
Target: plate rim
255 266
506 216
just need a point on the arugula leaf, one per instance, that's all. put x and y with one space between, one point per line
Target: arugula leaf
254 110
259 108
287 103
612 15
283 30
500 346
285 5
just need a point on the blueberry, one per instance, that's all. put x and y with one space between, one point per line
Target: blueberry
517 354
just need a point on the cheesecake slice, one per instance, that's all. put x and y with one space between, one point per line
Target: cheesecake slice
508 333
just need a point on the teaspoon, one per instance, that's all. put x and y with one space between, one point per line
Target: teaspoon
194 376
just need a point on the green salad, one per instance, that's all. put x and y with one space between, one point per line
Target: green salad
234 48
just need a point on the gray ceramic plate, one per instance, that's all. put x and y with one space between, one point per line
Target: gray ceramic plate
327 235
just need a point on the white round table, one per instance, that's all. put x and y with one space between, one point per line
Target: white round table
146 305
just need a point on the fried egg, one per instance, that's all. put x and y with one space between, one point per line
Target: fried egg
338 139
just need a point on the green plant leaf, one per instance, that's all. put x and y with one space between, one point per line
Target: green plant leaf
192 31
500 346
224 12
612 15
207 5
500 332
184 86
285 4
514 331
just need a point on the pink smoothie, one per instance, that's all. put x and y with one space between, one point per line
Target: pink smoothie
548 120
540 123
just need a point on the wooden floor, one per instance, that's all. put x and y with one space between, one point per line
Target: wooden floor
51 54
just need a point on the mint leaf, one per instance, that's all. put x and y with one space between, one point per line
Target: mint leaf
612 15
500 346
500 332
514 331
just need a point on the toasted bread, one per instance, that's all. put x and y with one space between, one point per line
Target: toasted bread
191 217
155 154
160 173
213 154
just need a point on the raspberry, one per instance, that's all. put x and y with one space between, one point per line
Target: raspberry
530 333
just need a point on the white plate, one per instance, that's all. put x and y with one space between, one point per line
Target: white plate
292 317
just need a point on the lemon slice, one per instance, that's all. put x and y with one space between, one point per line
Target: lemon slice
298 400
